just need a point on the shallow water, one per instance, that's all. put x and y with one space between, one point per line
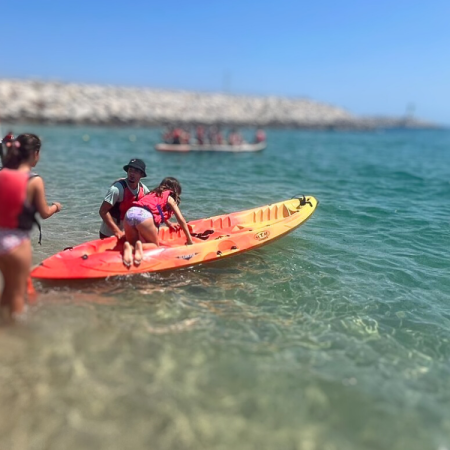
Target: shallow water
336 336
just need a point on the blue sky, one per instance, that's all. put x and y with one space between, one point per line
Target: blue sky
371 58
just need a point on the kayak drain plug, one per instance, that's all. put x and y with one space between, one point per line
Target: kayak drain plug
85 257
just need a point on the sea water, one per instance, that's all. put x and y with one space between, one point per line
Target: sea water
335 337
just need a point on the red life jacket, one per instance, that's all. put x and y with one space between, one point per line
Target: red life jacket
260 136
176 135
15 211
119 209
158 206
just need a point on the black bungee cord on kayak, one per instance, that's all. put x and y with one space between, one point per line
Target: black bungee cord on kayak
204 235
302 200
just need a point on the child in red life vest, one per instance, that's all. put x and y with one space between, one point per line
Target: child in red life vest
22 194
143 219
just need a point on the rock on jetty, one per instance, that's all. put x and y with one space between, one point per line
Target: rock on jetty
59 103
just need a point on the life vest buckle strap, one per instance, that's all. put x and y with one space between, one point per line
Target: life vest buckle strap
161 213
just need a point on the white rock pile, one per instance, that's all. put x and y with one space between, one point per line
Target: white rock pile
55 102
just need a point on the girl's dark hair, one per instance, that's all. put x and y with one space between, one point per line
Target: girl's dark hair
21 150
169 184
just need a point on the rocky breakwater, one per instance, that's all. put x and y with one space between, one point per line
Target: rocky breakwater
54 102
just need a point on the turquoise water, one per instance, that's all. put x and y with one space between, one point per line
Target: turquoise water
334 337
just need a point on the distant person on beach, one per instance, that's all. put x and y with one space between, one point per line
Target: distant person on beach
143 219
119 198
22 195
260 136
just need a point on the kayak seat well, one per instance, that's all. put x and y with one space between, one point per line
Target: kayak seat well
271 213
221 222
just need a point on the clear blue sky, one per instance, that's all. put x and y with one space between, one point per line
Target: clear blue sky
370 57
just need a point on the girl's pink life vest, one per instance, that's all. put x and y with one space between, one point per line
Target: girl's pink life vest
158 206
15 211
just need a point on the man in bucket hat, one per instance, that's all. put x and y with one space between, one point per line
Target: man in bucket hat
120 196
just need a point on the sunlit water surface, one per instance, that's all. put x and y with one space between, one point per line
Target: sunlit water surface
334 337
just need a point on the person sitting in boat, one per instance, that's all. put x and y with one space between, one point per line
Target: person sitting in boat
168 135
219 136
235 138
200 135
143 219
260 136
185 136
22 194
177 135
214 135
119 198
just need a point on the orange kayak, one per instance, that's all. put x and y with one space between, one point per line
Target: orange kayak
214 238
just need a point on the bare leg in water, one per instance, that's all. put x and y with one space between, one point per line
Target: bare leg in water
15 267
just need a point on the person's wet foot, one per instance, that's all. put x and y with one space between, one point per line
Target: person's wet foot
127 257
138 253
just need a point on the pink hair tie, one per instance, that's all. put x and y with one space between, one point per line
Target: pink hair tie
17 144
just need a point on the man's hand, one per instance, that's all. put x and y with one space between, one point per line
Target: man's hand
119 234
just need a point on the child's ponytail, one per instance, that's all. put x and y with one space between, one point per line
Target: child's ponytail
5 147
19 150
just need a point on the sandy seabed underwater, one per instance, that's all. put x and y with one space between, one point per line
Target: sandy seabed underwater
334 337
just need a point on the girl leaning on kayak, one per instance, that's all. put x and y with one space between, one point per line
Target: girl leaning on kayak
143 219
22 195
